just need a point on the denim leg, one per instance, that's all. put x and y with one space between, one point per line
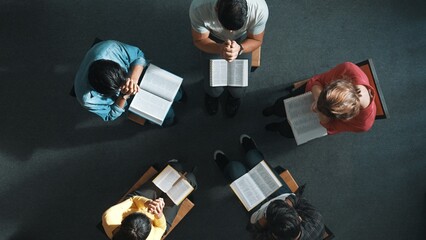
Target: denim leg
170 116
178 95
252 158
233 170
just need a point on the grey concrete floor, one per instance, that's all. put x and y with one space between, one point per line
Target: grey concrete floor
61 167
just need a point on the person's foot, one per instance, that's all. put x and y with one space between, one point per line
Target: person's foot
221 159
212 104
282 127
247 142
232 106
184 97
268 111
170 122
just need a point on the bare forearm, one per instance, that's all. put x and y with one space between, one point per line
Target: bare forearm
207 45
121 101
262 222
252 42
135 72
316 91
250 45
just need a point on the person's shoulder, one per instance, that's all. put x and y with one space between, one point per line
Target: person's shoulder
257 4
202 4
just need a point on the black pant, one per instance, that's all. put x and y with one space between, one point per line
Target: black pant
279 108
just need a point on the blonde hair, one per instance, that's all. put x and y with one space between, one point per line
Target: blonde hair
340 100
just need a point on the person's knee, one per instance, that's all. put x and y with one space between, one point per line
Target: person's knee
214 91
237 92
253 157
192 180
234 170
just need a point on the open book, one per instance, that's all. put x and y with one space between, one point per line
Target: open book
157 91
174 184
256 185
304 123
224 73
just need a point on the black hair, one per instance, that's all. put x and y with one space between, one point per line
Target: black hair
283 220
135 226
106 76
232 14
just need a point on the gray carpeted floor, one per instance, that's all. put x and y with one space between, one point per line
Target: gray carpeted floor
61 166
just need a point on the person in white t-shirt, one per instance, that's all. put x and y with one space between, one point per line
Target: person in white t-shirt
226 29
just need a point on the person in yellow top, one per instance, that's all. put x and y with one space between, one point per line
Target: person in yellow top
131 219
144 214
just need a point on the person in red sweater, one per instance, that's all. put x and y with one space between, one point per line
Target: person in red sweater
343 100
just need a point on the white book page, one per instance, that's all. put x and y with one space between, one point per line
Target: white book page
166 178
247 191
218 72
179 191
304 123
161 82
238 73
150 106
256 185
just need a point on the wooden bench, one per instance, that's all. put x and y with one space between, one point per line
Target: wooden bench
184 209
135 118
255 57
368 68
292 184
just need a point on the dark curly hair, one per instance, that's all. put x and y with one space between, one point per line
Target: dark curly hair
232 14
106 76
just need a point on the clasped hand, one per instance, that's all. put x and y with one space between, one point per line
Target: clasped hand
230 50
156 206
130 87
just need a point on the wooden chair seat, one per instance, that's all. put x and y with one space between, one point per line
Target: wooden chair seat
292 184
255 57
136 118
185 206
368 68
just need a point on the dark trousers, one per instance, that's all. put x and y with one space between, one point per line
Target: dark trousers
279 108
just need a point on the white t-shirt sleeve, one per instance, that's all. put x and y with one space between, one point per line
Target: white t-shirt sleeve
196 17
261 14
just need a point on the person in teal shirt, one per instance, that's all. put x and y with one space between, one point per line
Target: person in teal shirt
109 76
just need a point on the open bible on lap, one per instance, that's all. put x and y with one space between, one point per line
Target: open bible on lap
224 73
174 184
158 89
304 123
256 185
